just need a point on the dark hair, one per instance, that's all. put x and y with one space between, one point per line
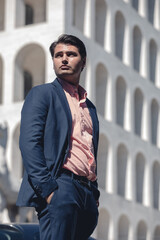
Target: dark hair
70 40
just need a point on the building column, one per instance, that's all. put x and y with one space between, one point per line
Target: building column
146 124
144 58
110 171
157 15
110 31
8 82
113 100
132 111
143 8
131 179
147 194
92 19
128 114
88 19
112 230
158 69
127 1
57 11
113 167
91 83
128 50
10 14
108 106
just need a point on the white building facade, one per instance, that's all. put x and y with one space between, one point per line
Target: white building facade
122 78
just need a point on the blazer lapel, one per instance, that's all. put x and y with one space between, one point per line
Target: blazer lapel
64 102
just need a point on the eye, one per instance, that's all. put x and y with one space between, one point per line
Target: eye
57 55
71 54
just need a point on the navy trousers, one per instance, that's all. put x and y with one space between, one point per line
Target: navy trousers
72 213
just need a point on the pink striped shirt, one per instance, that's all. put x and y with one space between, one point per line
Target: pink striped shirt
80 159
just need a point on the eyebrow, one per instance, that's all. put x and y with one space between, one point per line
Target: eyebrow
72 52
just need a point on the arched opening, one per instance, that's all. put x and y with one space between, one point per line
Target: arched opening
152 60
119 34
154 122
157 233
17 166
123 228
101 88
120 101
2 12
100 21
137 47
142 231
151 11
29 70
135 4
140 177
103 161
156 185
30 12
122 162
79 8
138 111
103 224
1 80
28 82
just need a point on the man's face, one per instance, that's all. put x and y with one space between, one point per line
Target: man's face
68 63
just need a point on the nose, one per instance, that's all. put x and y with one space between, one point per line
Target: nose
65 59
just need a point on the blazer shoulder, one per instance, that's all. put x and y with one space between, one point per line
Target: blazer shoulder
39 91
41 88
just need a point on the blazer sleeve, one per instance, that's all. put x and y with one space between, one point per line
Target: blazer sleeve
33 118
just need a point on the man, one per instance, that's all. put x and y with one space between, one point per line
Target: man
58 142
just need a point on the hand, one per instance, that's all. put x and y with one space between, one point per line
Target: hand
48 199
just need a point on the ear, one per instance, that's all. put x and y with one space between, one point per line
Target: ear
84 63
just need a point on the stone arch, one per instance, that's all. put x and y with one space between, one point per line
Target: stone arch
154 121
2 14
123 228
79 8
1 80
156 184
122 164
142 231
100 21
101 88
103 224
29 66
138 111
140 177
137 48
152 61
119 34
30 12
103 160
120 101
16 155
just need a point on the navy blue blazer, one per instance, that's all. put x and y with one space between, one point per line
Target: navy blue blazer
45 132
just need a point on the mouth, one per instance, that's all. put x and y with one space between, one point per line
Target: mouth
64 67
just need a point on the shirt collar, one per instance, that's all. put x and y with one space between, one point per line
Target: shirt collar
71 89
